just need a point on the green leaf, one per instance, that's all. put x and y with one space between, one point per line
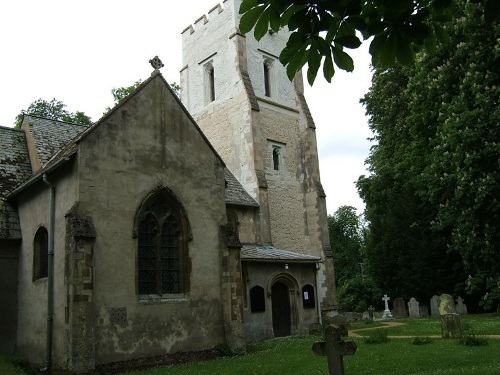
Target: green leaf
295 43
404 52
274 19
441 34
250 18
323 47
342 59
314 62
328 68
297 62
262 26
297 19
289 12
348 41
246 5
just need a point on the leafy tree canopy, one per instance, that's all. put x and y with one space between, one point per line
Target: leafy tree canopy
56 110
432 196
323 29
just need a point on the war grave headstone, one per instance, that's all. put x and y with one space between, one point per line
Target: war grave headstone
334 347
399 308
413 308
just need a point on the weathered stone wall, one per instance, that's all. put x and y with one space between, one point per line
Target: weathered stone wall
259 325
147 143
32 306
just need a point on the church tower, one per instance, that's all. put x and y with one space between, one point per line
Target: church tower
259 122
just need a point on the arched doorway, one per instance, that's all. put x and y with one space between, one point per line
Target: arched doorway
280 299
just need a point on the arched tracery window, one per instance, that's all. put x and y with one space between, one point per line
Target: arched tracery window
162 257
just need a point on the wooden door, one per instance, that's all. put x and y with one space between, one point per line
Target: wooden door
280 299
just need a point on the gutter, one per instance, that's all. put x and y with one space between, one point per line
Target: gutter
318 306
50 275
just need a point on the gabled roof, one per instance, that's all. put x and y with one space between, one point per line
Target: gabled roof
14 159
236 193
54 141
252 252
14 169
50 136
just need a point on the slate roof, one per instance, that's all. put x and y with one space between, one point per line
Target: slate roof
50 136
14 169
236 193
265 253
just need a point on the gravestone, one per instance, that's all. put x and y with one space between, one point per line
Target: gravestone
399 308
334 347
450 326
435 305
413 308
423 310
387 313
366 315
446 305
461 306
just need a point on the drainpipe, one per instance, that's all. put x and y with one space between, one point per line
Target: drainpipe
50 275
318 306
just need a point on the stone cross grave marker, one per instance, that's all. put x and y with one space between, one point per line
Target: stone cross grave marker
334 348
387 313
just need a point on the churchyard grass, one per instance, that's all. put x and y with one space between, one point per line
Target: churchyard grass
398 356
481 324
7 367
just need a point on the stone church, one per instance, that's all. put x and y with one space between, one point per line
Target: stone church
171 224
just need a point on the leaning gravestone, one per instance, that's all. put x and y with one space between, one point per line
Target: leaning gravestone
399 308
461 306
413 308
435 305
450 326
447 305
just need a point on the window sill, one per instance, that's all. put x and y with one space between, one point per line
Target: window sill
153 299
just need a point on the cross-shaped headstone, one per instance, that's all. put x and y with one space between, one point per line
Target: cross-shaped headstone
333 347
387 312
156 63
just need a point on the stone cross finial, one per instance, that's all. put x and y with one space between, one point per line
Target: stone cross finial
334 347
156 63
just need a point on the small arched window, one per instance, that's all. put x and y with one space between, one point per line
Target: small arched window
267 79
209 83
308 300
257 300
276 158
162 255
40 254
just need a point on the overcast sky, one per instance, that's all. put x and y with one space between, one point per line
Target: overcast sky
76 51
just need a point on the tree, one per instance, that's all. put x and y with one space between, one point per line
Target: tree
346 239
120 93
55 110
322 29
432 196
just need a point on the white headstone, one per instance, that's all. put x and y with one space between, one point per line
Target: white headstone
414 308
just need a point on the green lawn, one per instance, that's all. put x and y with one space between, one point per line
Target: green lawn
399 356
